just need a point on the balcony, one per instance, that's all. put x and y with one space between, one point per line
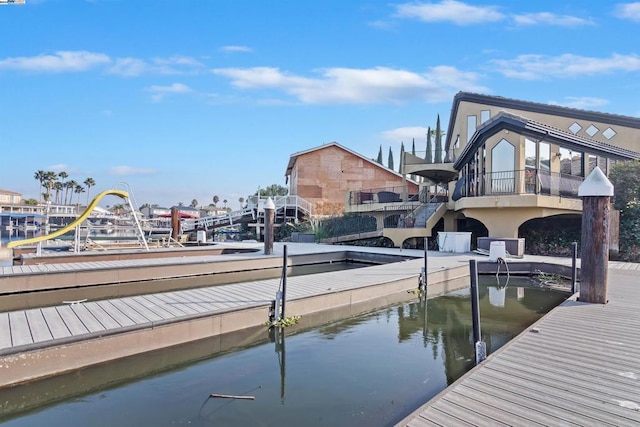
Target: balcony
436 172
534 187
377 199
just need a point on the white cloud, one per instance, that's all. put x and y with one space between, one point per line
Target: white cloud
535 67
130 170
630 11
131 67
582 102
58 168
453 11
236 49
358 86
406 135
546 18
159 92
128 67
60 61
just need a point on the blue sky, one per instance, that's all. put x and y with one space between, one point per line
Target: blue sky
191 99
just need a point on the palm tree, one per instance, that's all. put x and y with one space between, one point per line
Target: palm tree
194 203
58 186
89 182
70 186
78 189
216 199
241 200
225 203
39 176
50 177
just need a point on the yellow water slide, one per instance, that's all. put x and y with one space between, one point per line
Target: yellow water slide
74 224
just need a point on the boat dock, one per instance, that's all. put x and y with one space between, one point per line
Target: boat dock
578 365
75 333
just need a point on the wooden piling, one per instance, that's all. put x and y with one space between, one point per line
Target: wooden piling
596 192
175 223
594 249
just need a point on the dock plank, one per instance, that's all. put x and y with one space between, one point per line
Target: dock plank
131 312
38 325
89 320
146 306
55 323
5 331
115 313
20 332
170 308
175 303
71 320
101 315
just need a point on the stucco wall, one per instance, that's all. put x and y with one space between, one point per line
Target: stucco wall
625 137
325 176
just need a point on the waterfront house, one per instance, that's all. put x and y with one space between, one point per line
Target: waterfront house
509 162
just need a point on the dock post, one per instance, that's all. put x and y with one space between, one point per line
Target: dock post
574 267
479 346
284 279
596 192
175 224
269 216
423 276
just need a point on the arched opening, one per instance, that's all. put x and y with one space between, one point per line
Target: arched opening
475 227
552 235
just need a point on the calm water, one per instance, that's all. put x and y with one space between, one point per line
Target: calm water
369 370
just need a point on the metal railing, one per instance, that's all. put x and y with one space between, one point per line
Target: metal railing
255 202
528 181
415 214
396 194
448 156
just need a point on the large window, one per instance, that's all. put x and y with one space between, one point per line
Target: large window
571 162
471 126
502 167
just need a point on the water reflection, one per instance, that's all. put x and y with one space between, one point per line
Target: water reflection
370 369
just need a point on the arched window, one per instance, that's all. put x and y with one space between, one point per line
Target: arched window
503 157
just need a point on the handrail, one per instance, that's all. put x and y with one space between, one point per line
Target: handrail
514 182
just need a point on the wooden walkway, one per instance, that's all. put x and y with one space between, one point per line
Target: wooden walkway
579 365
40 327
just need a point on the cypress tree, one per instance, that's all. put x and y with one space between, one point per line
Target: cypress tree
390 161
401 157
429 154
379 159
413 151
438 158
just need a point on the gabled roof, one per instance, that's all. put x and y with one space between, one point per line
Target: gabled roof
535 107
294 157
538 131
10 193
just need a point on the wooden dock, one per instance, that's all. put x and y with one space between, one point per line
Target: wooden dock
578 365
44 341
